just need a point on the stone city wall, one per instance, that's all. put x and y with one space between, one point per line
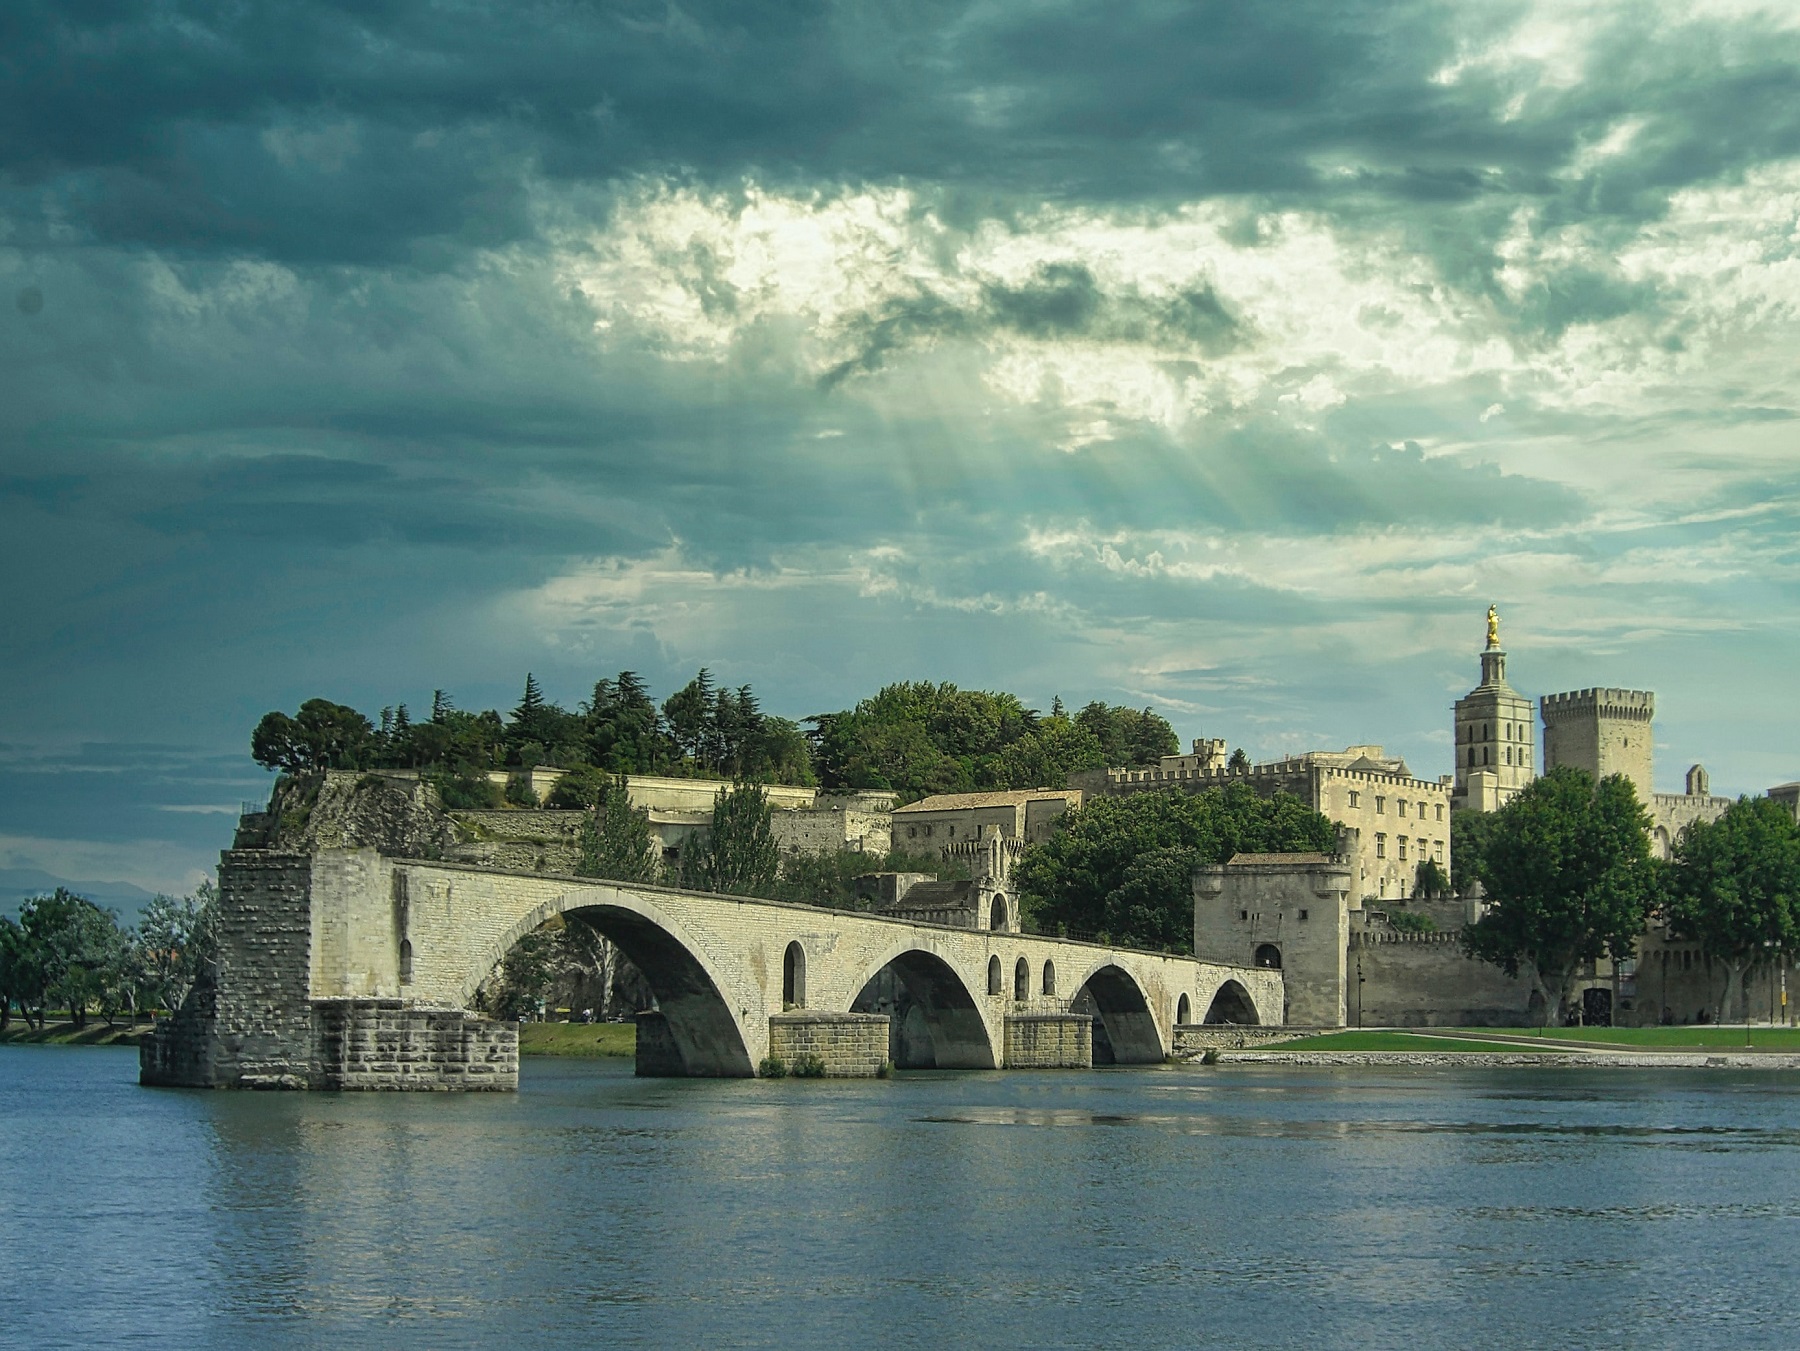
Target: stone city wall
1423 980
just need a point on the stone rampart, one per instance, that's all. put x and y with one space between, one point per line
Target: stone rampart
1424 980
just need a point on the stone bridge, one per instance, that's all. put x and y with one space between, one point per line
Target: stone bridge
347 968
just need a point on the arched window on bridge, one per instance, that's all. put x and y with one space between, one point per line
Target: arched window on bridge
1268 955
997 916
1049 977
793 977
994 977
406 961
1184 1011
1022 981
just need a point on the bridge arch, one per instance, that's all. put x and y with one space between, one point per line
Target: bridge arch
703 1034
934 1022
1232 1004
1125 1031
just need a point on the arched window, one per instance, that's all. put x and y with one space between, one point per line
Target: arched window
793 977
1049 977
1268 955
1021 981
995 979
406 961
1184 1011
997 917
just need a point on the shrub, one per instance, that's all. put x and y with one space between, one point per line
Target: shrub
519 792
809 1067
772 1067
1411 922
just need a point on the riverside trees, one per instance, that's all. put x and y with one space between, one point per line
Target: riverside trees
1734 886
1568 871
1123 867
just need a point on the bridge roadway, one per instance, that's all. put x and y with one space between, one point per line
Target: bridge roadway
722 966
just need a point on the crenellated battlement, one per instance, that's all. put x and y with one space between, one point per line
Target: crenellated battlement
1602 702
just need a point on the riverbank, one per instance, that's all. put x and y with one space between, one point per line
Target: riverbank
578 1039
96 1033
1625 1048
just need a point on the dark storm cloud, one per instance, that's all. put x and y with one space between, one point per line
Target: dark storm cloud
352 132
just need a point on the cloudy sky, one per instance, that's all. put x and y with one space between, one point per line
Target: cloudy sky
1229 358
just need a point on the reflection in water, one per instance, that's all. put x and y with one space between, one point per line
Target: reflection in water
1306 1208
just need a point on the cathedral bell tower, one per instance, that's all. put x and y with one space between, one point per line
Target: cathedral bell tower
1495 734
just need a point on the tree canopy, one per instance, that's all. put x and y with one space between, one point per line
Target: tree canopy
738 854
918 738
1123 867
1569 877
1734 886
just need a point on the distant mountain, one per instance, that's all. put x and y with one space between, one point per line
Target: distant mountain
16 884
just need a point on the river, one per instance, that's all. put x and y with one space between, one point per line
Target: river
1235 1206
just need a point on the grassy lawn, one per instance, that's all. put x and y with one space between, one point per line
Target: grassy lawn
1390 1041
577 1039
1710 1037
96 1033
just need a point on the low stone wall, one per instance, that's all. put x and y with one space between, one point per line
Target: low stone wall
1194 1038
1049 1041
852 1045
380 1044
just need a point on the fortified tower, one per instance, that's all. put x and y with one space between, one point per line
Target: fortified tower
1494 726
1604 731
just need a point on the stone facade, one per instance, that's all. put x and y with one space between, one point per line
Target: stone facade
1671 813
1424 980
1394 821
850 1045
1602 731
985 899
937 824
1286 912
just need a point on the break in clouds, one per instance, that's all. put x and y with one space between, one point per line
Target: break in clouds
1227 358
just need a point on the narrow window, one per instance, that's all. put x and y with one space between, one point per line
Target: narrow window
1401 841
1184 1010
406 961
1021 981
793 977
1380 845
1049 977
1355 798
994 977
1380 805
1303 916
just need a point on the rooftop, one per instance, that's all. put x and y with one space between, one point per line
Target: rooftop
949 802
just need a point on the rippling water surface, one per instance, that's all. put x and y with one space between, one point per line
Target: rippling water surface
1171 1207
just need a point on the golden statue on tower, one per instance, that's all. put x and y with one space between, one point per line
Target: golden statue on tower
1493 627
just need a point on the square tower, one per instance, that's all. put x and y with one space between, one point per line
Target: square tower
1495 756
1604 731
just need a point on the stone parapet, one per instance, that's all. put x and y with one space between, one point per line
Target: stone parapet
851 1045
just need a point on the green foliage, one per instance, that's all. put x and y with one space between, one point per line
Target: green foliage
808 1067
75 956
322 735
616 842
1569 878
1124 865
1239 763
464 788
177 937
519 792
737 856
1470 834
1411 922
1734 885
580 789
919 738
1430 883
771 1067
18 977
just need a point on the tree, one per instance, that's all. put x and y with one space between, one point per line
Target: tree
1124 866
738 854
322 735
1429 882
691 716
75 948
176 938
1734 885
1570 880
1239 762
18 979
616 842
1470 832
